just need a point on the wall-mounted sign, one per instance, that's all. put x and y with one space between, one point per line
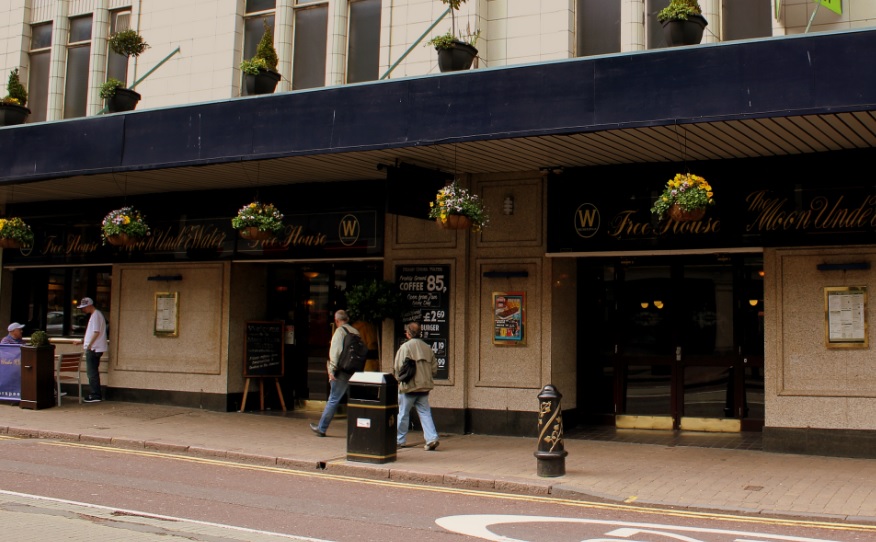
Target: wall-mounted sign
166 314
427 298
845 317
508 321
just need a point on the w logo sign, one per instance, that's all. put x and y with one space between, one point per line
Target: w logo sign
349 230
586 220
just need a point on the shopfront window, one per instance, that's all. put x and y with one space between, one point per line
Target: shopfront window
65 288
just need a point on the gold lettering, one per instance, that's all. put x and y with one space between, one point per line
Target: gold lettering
586 217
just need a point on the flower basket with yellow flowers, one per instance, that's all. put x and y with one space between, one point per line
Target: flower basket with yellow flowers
258 221
14 233
684 199
455 208
125 226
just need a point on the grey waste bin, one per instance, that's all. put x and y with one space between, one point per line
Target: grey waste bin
372 410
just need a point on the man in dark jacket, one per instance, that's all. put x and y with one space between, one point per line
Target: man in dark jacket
415 393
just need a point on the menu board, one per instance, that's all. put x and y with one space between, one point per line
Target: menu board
427 299
264 349
845 311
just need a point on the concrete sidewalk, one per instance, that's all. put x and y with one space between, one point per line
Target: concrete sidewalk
686 477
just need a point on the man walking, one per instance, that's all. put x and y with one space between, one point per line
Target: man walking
338 380
415 392
95 345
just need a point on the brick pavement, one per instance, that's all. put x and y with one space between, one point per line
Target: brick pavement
676 476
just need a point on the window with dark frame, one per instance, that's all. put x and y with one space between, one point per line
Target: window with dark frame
363 45
38 79
258 12
309 42
116 64
598 27
78 62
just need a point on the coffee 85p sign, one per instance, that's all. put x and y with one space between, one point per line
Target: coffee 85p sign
427 299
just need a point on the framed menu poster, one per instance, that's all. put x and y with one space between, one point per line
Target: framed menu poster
845 317
166 314
509 309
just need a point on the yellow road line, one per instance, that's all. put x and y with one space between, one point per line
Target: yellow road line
478 493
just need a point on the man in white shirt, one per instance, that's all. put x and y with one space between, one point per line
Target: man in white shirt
94 345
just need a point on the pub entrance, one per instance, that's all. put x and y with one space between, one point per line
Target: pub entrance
672 342
305 297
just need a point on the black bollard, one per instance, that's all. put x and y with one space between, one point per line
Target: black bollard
551 457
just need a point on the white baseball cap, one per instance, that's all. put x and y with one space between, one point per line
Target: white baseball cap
85 302
14 325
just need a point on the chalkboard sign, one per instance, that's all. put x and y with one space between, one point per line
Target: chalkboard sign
264 349
427 301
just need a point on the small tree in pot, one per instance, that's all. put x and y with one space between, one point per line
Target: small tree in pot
12 107
119 98
372 302
260 75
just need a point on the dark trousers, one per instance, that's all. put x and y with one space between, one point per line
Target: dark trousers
92 366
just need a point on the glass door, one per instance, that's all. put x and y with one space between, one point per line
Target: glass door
679 341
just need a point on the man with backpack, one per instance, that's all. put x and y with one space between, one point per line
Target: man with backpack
414 386
338 380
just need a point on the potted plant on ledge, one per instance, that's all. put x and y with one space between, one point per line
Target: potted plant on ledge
683 22
12 107
258 221
684 198
14 233
260 72
455 208
455 53
125 226
119 98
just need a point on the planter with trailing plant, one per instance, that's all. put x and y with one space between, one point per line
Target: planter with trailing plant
260 75
119 98
258 221
456 52
455 208
15 233
683 22
684 198
123 227
12 106
37 372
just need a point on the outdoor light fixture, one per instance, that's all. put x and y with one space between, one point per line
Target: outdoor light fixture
508 205
644 304
658 303
752 302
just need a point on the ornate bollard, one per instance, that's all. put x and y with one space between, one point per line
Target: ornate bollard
551 456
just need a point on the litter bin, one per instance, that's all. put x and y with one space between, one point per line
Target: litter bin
372 411
37 377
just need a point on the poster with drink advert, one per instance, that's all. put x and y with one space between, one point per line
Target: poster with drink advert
427 301
509 320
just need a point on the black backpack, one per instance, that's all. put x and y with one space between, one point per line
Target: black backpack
353 355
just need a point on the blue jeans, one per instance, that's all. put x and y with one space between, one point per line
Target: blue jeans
92 366
338 388
407 401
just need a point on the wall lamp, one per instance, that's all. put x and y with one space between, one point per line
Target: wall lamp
508 205
165 277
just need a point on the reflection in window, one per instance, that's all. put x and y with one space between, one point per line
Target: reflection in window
66 287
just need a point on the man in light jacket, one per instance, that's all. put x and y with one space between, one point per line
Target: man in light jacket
415 393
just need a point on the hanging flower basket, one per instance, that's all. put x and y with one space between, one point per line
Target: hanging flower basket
684 198
258 221
455 208
14 233
123 227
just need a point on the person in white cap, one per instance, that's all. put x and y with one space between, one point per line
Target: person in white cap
95 346
15 333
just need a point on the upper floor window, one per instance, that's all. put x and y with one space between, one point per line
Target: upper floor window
38 82
310 42
744 19
78 54
258 14
598 27
116 64
363 44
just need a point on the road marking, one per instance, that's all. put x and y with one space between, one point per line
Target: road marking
476 493
149 515
479 526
